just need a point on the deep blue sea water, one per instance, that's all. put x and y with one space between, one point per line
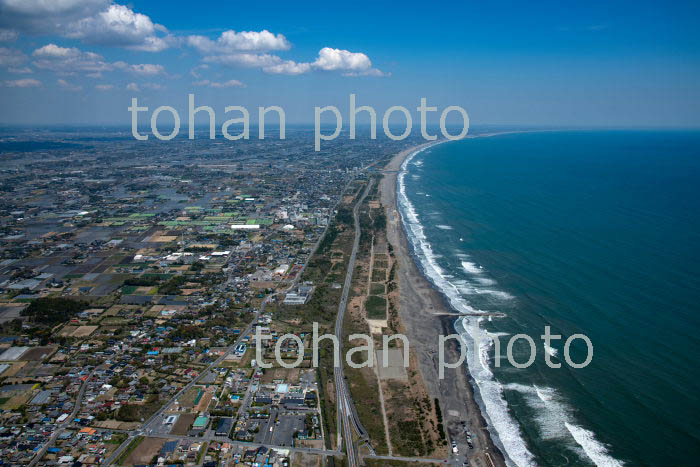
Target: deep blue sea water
591 232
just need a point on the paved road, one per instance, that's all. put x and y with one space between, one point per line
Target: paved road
148 425
347 416
157 419
66 422
250 445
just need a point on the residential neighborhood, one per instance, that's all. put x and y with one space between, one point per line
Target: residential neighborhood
132 287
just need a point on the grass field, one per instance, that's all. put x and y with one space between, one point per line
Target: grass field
376 307
190 396
129 289
378 275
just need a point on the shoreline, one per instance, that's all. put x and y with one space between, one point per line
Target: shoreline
418 304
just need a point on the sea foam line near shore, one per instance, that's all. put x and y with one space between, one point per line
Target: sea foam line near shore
504 430
555 420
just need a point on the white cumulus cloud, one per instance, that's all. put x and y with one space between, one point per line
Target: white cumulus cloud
248 41
118 25
91 21
329 59
267 62
351 63
288 67
335 59
69 60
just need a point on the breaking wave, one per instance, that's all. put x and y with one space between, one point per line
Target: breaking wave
551 351
471 268
594 449
504 429
554 417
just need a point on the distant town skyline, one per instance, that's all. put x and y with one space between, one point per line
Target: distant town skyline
631 64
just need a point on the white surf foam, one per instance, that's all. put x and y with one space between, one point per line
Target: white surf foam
551 351
487 281
496 334
470 289
506 430
478 271
545 394
555 420
551 412
594 449
503 427
471 268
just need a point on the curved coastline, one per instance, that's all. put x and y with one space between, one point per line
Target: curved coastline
423 311
487 392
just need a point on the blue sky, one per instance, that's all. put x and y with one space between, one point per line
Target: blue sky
526 63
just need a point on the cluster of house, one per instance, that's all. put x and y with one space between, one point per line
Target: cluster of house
172 253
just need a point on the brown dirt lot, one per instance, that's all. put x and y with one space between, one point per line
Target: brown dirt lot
290 375
84 331
14 369
204 402
38 354
183 424
305 460
18 400
116 425
145 451
67 331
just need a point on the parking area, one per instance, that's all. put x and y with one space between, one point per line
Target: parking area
287 426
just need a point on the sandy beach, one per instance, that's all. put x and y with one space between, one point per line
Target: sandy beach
421 306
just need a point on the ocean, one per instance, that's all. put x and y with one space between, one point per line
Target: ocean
588 232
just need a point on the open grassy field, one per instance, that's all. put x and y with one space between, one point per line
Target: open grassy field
378 275
376 307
